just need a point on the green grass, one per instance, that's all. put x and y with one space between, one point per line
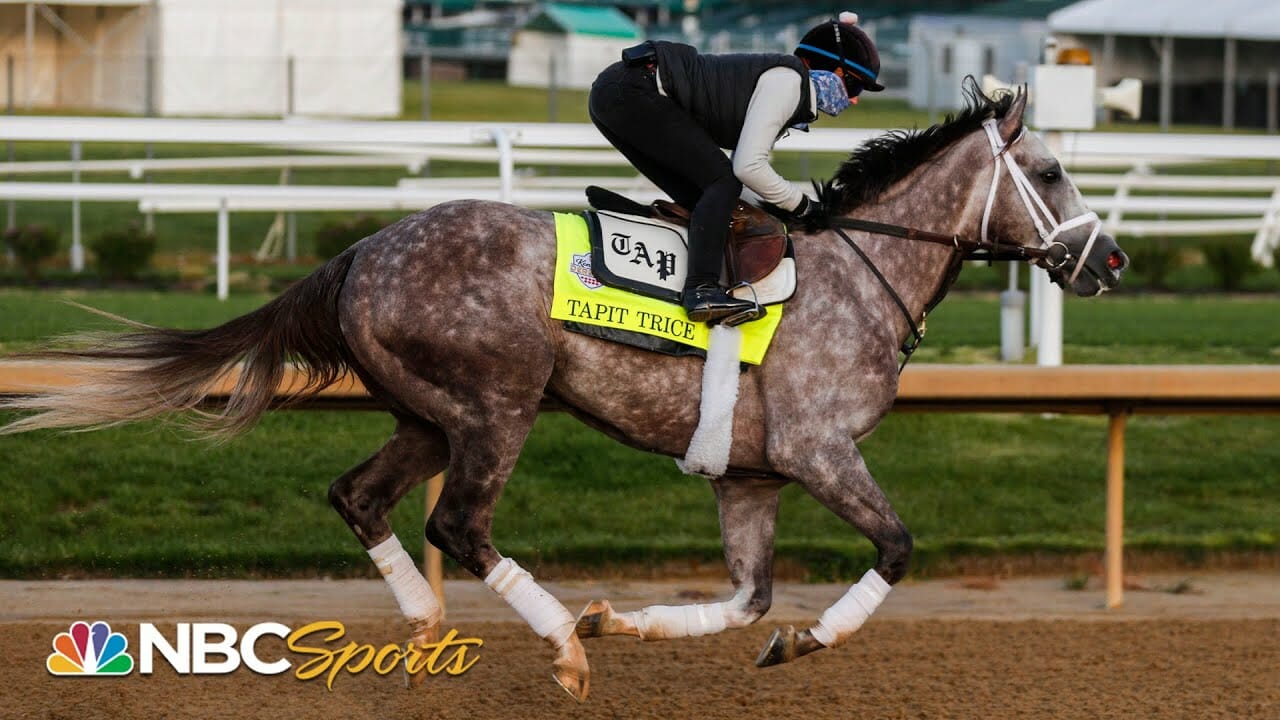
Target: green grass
29 316
1132 329
146 500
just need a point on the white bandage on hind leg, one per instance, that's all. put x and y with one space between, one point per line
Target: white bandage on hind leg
417 601
847 615
544 613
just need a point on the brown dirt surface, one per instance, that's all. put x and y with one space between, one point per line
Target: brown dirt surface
1185 648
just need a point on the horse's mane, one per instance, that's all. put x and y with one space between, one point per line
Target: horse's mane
882 161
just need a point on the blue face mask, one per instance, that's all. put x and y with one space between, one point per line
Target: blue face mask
833 97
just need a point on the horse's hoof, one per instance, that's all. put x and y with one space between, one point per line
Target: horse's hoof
571 671
785 645
780 648
422 636
592 619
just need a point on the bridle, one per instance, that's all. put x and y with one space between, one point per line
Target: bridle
1053 253
1026 191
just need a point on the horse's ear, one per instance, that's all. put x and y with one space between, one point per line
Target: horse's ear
1011 123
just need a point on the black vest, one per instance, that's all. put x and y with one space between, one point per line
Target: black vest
716 89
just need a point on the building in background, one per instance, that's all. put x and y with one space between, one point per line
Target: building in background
568 45
462 38
1205 63
944 49
1004 39
205 57
474 38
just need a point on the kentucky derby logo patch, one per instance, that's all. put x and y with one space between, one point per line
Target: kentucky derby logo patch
580 265
89 650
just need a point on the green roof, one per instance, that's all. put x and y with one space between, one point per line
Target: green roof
583 20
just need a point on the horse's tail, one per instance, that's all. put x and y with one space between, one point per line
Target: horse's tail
158 371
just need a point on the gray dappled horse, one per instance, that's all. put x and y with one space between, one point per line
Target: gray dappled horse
445 318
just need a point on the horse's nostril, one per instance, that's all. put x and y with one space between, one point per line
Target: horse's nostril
1116 260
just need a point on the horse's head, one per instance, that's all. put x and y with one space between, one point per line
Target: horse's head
1032 202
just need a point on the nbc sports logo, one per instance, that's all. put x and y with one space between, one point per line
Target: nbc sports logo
90 650
87 650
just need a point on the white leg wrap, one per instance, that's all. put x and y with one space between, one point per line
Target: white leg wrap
417 602
548 618
847 615
663 622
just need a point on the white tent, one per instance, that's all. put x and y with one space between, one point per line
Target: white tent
205 57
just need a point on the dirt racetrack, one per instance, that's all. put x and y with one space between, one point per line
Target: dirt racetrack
941 649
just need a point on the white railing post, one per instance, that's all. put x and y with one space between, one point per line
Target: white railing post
506 163
224 249
1035 280
77 248
1012 319
1049 351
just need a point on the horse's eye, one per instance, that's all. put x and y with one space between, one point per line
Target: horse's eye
1050 176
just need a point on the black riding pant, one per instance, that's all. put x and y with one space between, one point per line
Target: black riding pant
670 148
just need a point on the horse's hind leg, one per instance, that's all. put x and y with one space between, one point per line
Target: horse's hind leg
364 495
748 512
837 477
484 444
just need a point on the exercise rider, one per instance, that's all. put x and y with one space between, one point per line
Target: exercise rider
670 110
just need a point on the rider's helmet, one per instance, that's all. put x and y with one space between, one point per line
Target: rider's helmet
841 43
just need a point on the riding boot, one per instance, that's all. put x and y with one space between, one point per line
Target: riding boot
711 303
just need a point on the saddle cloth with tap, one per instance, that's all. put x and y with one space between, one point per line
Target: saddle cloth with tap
642 255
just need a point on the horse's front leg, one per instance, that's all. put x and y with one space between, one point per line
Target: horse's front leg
748 512
837 477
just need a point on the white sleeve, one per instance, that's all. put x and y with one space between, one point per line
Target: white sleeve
772 104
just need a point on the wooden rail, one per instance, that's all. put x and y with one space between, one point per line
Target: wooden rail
1113 390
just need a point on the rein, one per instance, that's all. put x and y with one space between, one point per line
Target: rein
991 251
917 331
1052 252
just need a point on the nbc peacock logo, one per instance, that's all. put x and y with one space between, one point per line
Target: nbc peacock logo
90 650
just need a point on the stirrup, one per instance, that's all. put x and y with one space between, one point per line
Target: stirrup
753 313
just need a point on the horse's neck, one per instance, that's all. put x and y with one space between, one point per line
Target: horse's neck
940 197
